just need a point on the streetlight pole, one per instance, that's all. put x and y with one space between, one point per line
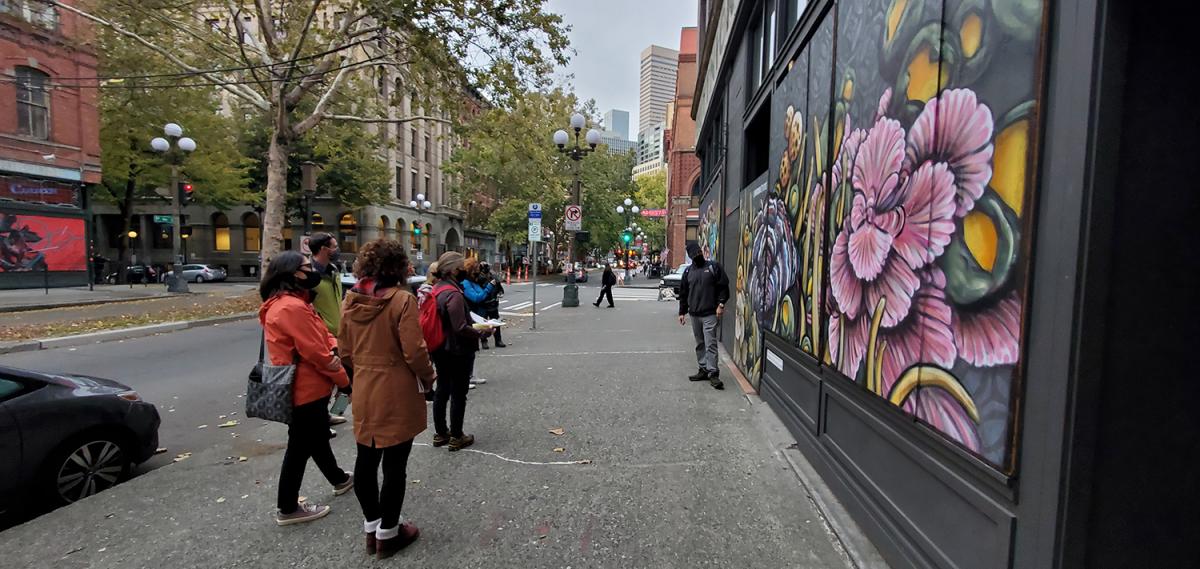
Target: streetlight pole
628 208
575 152
184 145
421 205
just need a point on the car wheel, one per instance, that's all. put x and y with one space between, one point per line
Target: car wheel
199 278
84 466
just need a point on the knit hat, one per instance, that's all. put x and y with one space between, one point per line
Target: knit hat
693 250
450 262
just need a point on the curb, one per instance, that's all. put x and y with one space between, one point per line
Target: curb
122 334
71 304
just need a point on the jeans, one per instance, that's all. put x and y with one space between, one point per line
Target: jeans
381 504
308 437
604 290
454 374
704 330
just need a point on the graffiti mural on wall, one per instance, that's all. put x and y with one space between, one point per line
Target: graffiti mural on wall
748 340
39 243
902 201
709 233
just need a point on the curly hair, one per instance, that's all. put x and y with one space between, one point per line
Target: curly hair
384 260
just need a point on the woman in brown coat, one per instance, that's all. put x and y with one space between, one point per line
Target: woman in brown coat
380 336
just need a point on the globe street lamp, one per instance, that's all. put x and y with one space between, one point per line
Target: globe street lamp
422 205
575 152
174 155
628 208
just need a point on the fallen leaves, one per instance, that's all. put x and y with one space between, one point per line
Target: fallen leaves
160 450
228 424
132 314
559 431
182 456
202 427
560 449
221 500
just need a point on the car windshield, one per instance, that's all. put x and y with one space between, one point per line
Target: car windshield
213 268
681 268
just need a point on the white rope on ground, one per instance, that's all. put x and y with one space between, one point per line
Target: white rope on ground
517 461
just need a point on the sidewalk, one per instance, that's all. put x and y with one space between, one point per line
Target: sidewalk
651 471
37 298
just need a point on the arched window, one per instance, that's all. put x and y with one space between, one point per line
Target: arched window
318 222
220 225
348 233
251 232
384 226
33 103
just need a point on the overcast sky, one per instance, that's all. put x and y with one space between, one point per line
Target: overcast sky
609 36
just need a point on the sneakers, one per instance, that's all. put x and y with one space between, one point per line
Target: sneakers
336 419
501 345
332 434
388 546
714 379
485 346
478 380
699 376
339 489
459 443
441 440
304 513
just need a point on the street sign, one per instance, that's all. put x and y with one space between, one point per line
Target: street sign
535 222
573 219
165 219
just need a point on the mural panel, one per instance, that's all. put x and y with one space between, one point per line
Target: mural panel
748 340
39 243
935 121
709 232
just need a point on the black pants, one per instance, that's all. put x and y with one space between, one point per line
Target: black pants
381 503
606 290
308 437
454 374
494 314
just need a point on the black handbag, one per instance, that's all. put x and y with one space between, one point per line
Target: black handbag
269 396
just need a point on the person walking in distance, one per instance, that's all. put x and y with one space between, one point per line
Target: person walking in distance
455 358
295 335
607 280
328 294
381 340
703 292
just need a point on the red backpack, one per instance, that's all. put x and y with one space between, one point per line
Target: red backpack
431 320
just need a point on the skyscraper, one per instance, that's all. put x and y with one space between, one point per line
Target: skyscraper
657 86
616 120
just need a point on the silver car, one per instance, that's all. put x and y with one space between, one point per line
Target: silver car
202 273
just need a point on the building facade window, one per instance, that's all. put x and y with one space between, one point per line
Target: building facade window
40 13
251 232
347 233
33 103
412 151
220 225
428 150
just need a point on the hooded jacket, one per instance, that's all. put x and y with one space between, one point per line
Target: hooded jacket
292 328
328 300
381 339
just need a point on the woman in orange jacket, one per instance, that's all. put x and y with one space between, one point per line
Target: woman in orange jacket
294 333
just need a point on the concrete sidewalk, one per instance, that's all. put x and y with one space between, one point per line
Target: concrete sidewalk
653 471
37 299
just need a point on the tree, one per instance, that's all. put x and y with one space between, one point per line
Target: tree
132 112
300 63
652 194
508 157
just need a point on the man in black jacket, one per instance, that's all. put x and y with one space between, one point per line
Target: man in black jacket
607 280
703 292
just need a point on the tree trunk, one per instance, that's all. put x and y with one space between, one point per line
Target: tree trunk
126 206
275 208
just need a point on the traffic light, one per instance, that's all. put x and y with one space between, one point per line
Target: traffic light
416 229
185 192
626 237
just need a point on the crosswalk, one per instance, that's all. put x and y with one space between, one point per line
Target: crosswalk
525 308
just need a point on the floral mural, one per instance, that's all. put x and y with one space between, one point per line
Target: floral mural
709 232
890 243
748 341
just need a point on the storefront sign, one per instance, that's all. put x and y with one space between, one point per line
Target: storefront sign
654 213
38 191
39 243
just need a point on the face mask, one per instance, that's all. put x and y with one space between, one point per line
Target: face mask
333 257
310 281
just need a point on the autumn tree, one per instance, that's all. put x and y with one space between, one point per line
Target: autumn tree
301 63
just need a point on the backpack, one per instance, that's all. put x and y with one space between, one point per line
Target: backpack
431 321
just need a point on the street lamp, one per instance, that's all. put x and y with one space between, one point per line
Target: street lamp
421 205
575 152
174 155
628 208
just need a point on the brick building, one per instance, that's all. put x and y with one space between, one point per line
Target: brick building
49 144
683 171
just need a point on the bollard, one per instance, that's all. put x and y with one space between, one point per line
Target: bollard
46 278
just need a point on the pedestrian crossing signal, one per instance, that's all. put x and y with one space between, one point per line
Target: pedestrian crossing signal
626 237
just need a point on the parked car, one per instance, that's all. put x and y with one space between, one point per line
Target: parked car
581 274
134 274
349 280
67 437
202 273
672 281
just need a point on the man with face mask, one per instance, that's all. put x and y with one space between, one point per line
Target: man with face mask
703 292
328 293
